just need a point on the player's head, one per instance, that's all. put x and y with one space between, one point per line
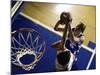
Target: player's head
63 58
65 17
80 27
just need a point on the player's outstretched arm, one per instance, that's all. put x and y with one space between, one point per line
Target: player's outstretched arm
57 27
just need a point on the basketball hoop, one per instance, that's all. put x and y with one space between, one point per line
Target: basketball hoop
27 48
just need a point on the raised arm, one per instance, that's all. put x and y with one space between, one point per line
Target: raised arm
71 36
57 27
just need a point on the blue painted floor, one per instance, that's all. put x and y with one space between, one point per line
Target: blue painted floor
47 63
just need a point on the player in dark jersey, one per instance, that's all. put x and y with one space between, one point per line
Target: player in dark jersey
74 37
64 58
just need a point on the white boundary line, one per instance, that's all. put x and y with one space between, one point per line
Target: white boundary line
50 29
89 49
90 61
16 6
41 24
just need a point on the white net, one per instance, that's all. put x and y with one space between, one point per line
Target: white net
27 48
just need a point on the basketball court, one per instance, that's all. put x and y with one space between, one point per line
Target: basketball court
40 17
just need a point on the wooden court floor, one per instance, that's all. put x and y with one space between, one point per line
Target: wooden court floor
48 14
